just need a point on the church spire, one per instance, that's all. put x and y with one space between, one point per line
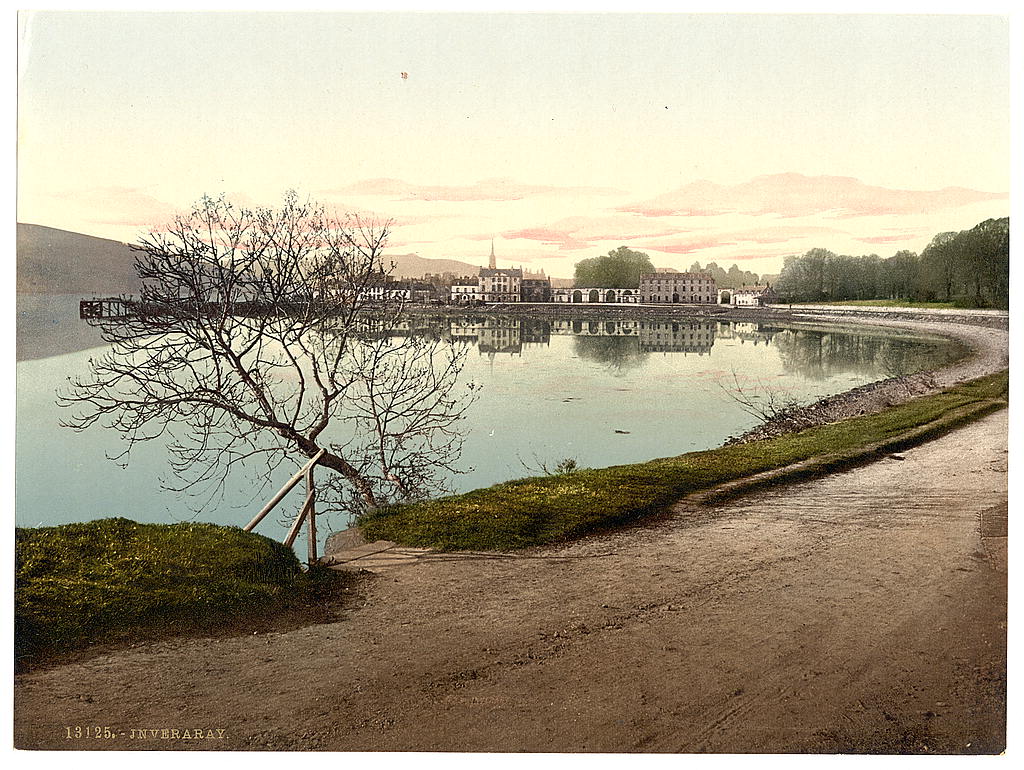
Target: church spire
493 264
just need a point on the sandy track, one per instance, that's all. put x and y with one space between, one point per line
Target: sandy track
860 612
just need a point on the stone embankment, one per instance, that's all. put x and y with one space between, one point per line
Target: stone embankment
775 313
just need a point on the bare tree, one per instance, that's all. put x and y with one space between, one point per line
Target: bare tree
262 334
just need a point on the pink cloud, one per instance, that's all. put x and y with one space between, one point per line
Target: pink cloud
794 195
889 238
760 236
690 246
574 233
484 190
549 236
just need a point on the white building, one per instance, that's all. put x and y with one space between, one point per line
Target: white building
465 293
751 296
593 295
501 284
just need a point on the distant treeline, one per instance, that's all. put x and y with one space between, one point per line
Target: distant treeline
733 278
622 268
970 269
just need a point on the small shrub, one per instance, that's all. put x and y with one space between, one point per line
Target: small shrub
568 465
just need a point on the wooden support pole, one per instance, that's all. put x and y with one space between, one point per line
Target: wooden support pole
311 508
284 491
293 532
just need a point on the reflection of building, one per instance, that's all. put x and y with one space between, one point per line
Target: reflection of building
500 335
749 296
673 337
685 288
500 339
536 332
595 295
746 331
618 328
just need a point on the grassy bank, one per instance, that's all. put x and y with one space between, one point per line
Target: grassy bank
548 509
114 578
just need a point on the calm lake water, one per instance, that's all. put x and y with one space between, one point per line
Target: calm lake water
601 392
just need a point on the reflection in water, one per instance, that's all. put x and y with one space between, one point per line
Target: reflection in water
617 353
48 325
814 354
678 336
818 355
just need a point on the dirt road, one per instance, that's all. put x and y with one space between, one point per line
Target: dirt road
863 612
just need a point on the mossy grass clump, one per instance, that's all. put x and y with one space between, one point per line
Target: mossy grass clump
81 583
535 511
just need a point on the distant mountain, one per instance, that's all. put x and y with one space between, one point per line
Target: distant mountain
52 261
415 266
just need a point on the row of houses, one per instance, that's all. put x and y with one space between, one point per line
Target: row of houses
494 285
504 285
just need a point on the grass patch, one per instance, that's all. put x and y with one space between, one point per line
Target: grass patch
535 511
114 578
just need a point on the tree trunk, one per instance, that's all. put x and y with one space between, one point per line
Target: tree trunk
339 464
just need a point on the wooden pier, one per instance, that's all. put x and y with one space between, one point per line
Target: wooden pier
113 308
108 307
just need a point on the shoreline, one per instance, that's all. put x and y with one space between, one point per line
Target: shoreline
769 313
985 352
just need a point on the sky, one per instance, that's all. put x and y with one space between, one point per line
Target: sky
733 138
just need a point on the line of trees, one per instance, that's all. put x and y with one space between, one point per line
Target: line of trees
621 268
970 268
733 278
